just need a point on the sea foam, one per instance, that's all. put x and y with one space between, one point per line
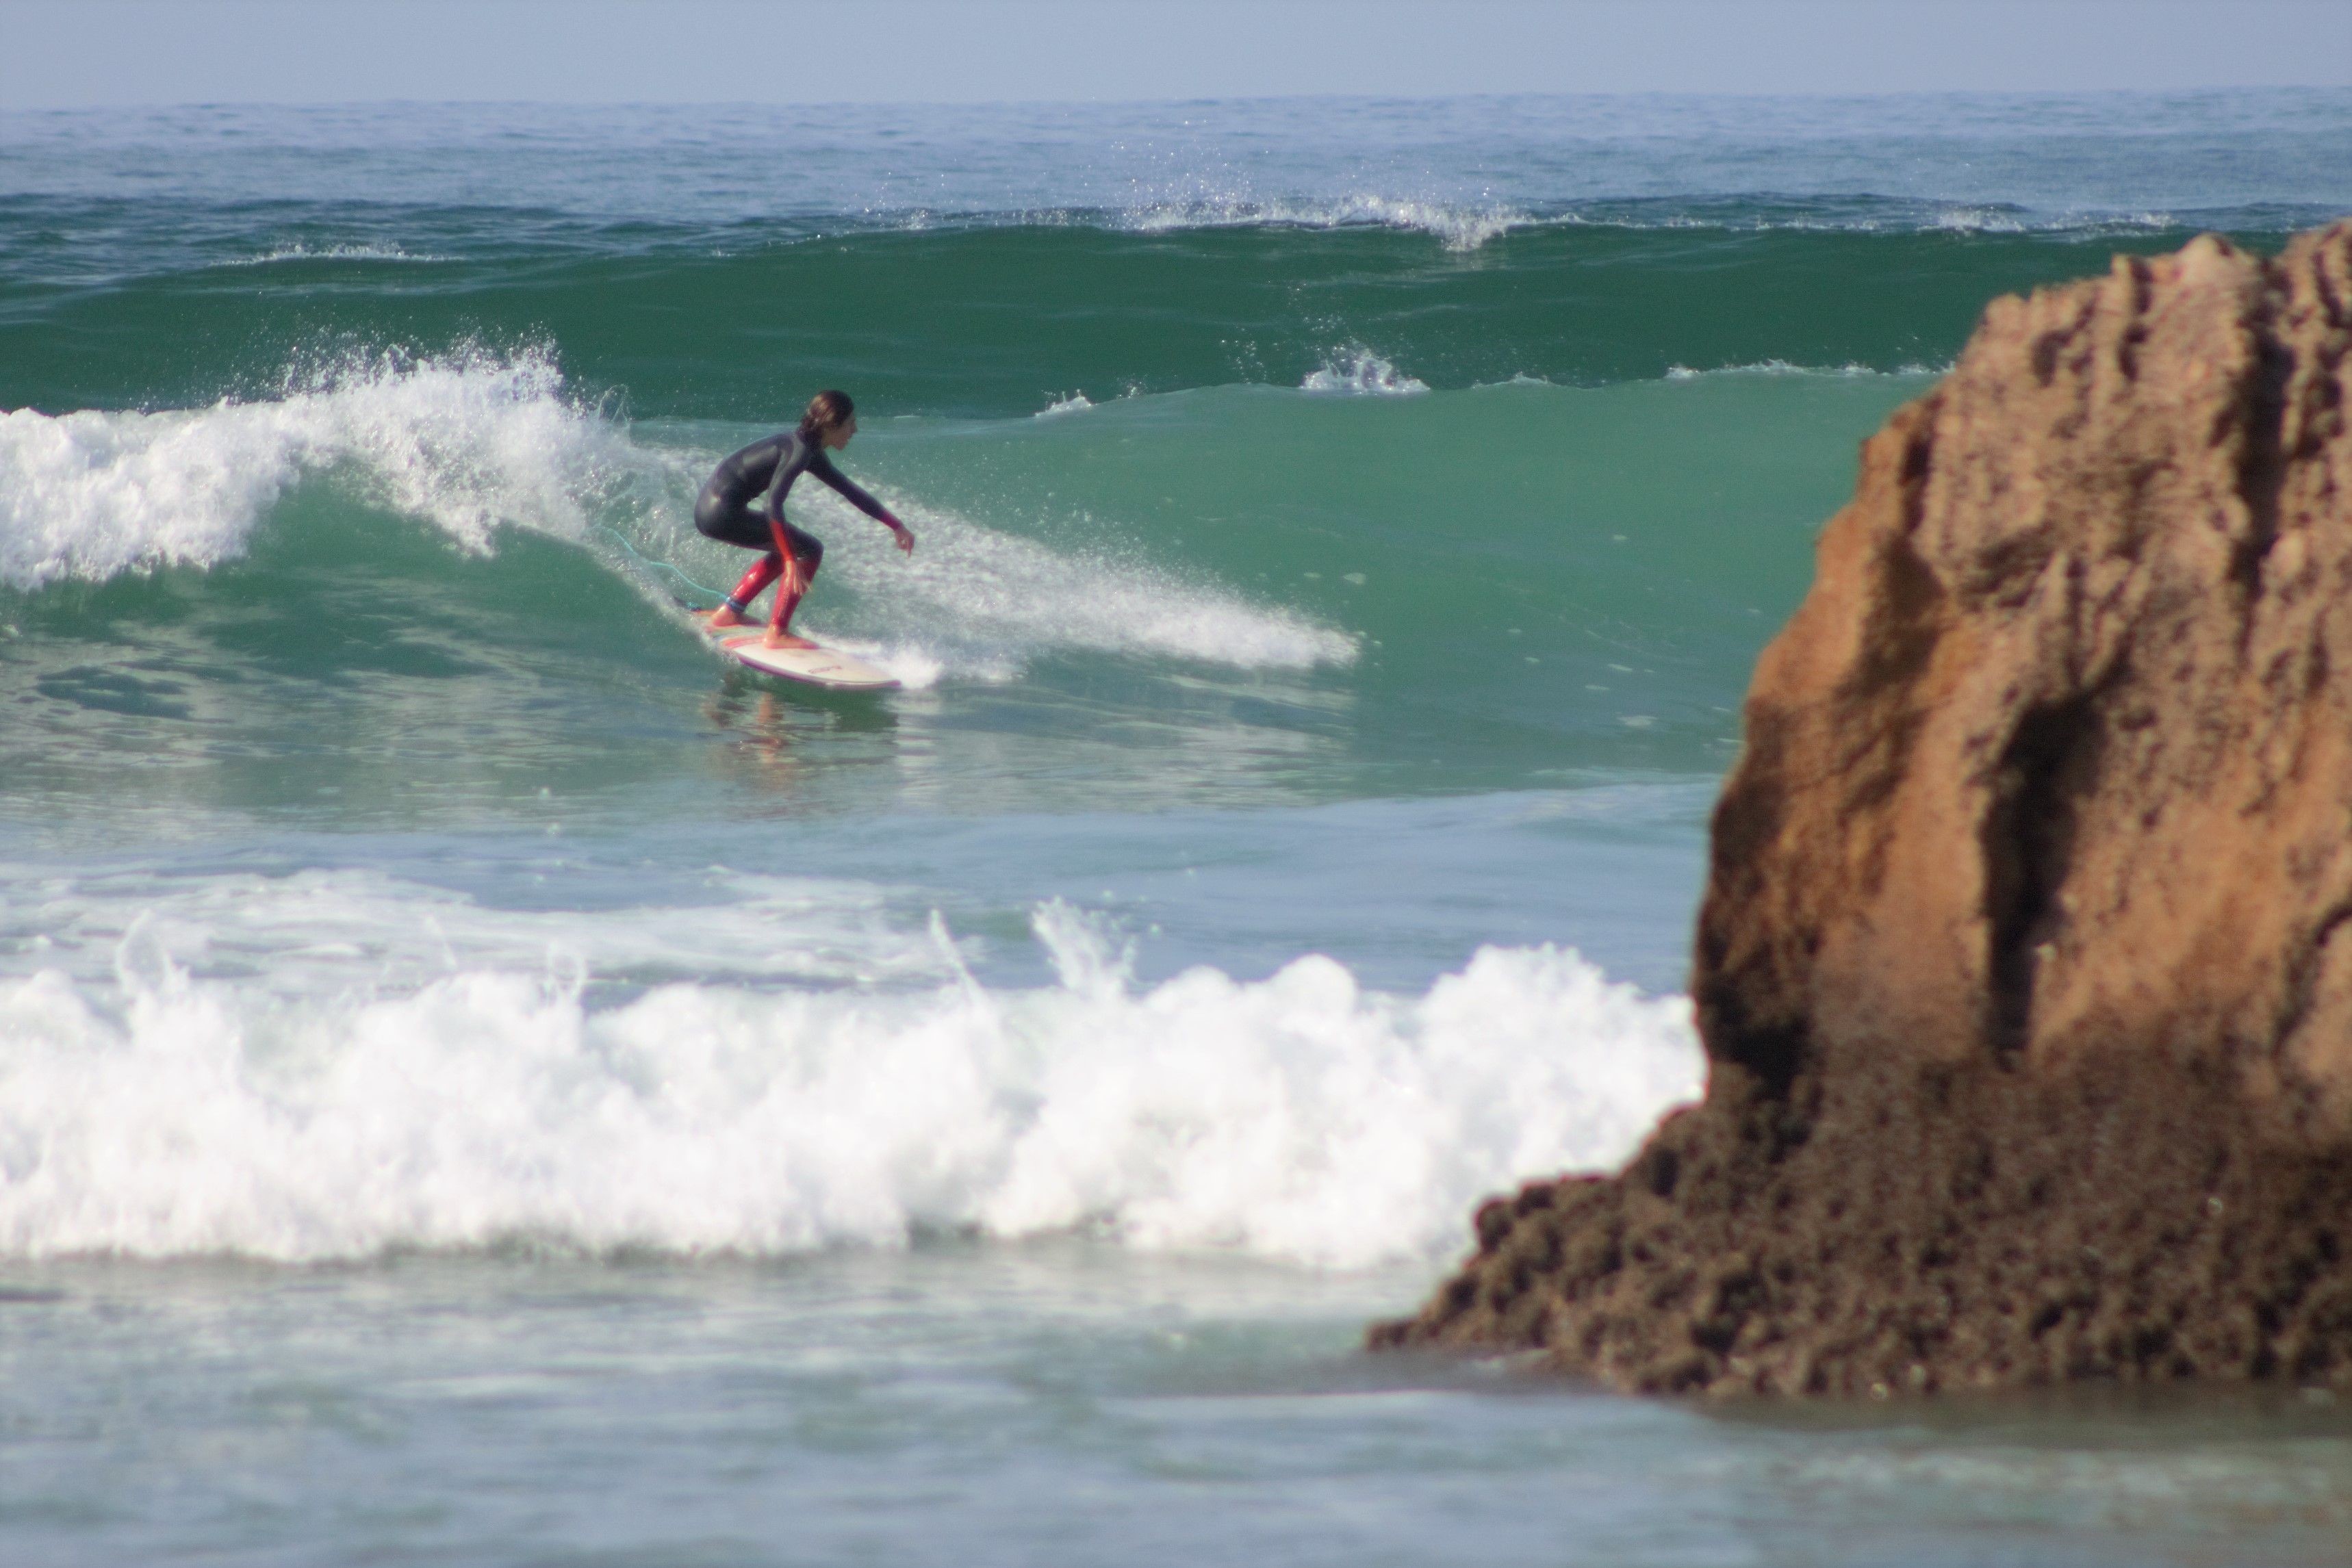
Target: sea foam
465 443
346 252
1362 373
162 1112
980 601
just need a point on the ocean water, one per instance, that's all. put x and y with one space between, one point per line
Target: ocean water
483 1082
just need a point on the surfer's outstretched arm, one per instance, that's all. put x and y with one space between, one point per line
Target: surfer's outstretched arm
850 491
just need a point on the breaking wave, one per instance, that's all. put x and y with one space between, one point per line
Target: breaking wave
158 1112
1362 373
466 443
472 442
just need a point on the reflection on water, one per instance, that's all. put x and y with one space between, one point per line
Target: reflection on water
786 740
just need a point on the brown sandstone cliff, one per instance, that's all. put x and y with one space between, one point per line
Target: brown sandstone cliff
2025 962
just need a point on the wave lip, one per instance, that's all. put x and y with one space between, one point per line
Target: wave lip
466 442
1297 1117
1359 372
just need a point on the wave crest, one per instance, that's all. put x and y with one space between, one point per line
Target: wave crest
465 442
1461 228
1359 372
1297 1117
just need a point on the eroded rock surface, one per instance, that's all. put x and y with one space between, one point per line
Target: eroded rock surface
2024 966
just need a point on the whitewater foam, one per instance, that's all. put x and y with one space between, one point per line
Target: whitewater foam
298 252
983 603
1359 372
159 1114
465 442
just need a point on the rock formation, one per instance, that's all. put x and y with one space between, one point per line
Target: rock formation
2025 962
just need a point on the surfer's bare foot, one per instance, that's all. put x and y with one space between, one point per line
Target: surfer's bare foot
784 640
722 616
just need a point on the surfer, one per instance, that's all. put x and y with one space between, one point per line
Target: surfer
730 510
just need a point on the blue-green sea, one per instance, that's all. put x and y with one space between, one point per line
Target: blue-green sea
485 1080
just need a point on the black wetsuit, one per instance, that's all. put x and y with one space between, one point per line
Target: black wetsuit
729 508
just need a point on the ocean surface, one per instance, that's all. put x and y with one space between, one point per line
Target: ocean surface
483 1082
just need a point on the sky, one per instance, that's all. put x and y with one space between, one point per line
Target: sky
91 53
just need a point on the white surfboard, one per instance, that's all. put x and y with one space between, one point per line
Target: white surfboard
827 667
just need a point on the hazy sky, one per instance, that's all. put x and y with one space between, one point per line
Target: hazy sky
65 53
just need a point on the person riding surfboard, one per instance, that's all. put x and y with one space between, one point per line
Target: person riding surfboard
730 510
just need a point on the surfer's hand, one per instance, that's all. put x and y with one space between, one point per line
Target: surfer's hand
906 537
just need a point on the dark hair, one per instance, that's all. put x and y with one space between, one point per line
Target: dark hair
826 410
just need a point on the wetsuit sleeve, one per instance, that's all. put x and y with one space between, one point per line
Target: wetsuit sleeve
822 466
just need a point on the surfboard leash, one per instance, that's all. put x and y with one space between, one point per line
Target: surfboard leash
643 559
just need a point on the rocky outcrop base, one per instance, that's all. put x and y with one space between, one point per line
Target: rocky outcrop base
2122 1225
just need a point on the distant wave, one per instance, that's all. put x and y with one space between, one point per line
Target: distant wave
1362 373
1466 228
298 252
1461 228
1784 368
1765 213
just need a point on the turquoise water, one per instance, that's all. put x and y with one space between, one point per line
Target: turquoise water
482 1081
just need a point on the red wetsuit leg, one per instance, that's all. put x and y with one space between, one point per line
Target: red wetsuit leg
781 618
764 571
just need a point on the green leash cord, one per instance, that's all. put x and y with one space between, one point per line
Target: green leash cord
644 559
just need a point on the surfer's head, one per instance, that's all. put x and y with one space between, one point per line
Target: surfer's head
831 418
